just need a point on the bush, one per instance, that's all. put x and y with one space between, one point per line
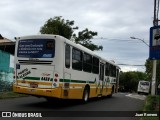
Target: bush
5 86
152 104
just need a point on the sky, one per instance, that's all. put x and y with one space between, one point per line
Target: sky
114 20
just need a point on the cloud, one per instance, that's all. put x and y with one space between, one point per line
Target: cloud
126 69
119 19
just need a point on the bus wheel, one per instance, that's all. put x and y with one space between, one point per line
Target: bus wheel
85 95
51 100
111 93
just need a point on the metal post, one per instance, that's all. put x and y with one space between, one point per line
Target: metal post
155 23
153 85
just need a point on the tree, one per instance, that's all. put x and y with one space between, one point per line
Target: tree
65 28
84 38
128 81
5 86
149 68
58 26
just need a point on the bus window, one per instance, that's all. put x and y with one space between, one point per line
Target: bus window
95 68
49 45
67 56
107 69
36 48
144 83
76 59
112 71
87 62
101 76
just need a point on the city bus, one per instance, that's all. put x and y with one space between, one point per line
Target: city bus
52 66
143 87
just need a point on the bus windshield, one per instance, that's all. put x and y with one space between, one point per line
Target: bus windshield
145 83
36 48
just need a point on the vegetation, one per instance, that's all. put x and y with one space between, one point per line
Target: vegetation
149 67
5 86
6 90
128 81
60 26
10 94
152 104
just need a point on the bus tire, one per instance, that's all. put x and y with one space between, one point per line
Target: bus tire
85 97
110 95
111 92
52 100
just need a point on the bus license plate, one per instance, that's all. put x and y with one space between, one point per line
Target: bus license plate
33 85
31 90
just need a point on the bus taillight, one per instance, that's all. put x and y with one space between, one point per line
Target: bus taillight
55 80
56 75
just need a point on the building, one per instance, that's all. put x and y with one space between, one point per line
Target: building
7 48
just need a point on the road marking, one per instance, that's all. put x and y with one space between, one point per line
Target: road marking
136 96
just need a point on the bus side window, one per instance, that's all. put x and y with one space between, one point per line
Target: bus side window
67 56
113 71
95 67
87 62
107 69
76 59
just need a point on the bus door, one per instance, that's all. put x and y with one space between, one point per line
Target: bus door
66 84
117 80
101 77
66 72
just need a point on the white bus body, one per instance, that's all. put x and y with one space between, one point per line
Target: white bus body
53 66
143 87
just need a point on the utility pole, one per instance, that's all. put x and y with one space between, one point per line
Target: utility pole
155 23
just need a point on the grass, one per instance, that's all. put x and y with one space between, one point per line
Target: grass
6 95
152 104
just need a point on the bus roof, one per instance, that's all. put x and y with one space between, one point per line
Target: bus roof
78 46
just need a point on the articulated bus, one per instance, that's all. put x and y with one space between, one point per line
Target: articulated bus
52 66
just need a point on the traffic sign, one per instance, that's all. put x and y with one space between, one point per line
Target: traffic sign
154 52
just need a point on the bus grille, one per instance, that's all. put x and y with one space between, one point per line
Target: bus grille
34 62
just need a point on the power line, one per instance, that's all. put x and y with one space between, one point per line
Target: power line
117 39
130 65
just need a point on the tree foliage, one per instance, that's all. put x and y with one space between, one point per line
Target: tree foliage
58 26
84 38
5 86
66 28
149 68
128 81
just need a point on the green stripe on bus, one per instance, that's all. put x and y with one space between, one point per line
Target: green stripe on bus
62 80
91 82
35 78
32 78
75 81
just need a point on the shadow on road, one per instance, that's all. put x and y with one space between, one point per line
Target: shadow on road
59 104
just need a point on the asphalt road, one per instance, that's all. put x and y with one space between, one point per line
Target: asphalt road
120 103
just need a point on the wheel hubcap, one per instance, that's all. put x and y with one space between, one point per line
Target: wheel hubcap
86 96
